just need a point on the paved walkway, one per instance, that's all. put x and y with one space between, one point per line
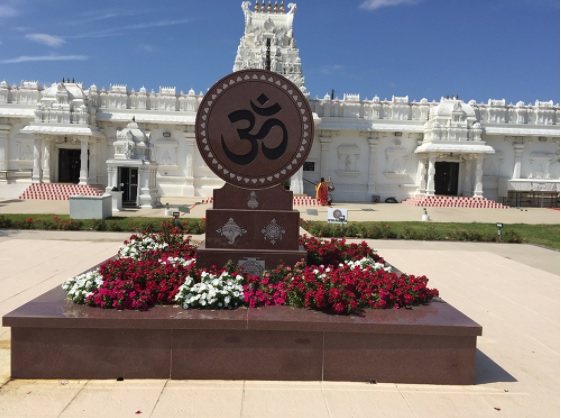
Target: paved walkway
511 290
356 211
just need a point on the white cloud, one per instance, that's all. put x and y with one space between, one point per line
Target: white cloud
332 68
376 4
43 38
156 24
7 11
27 58
120 29
146 48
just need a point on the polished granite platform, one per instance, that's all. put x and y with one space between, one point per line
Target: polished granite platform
54 338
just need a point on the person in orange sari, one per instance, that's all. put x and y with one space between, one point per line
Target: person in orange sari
322 192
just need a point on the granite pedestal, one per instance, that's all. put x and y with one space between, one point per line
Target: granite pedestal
53 338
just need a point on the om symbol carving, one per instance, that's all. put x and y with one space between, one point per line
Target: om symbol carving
254 128
246 135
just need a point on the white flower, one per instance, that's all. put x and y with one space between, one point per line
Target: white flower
78 288
213 291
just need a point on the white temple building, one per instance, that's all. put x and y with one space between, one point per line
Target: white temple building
143 142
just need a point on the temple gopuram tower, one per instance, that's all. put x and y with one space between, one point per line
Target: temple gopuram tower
268 41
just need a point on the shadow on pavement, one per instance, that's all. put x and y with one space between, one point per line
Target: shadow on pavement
487 371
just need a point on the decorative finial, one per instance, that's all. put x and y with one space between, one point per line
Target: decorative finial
256 8
269 7
282 7
276 8
263 6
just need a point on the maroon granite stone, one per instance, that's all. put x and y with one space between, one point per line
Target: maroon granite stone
254 129
272 198
53 338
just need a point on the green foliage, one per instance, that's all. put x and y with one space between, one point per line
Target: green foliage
115 224
545 235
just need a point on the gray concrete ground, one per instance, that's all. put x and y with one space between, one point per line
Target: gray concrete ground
511 290
356 211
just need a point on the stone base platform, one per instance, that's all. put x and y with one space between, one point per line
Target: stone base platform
52 338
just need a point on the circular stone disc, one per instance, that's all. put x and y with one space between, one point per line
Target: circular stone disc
254 128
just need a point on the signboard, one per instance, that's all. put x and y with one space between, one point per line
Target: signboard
254 129
337 215
184 208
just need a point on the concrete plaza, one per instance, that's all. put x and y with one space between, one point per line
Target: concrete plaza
512 291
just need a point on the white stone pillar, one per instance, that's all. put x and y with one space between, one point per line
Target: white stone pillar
372 166
112 178
93 166
518 151
83 161
421 175
297 182
37 177
47 163
467 188
325 141
478 189
190 149
430 179
4 147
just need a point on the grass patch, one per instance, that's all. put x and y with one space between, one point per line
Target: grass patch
115 224
544 235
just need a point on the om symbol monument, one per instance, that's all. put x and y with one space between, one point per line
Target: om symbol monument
254 129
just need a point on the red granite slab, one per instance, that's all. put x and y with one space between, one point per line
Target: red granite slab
54 338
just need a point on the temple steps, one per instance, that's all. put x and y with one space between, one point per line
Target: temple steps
298 200
60 191
453 202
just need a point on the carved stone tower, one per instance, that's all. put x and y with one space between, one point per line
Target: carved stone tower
268 41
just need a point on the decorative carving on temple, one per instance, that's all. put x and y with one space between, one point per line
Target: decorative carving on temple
25 149
268 41
64 103
348 160
231 230
252 265
252 202
273 232
132 143
166 151
397 160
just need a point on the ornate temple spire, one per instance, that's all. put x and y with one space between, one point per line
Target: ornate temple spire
268 41
268 7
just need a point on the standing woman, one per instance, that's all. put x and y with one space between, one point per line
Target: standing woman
322 193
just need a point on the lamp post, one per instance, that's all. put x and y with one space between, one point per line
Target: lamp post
499 230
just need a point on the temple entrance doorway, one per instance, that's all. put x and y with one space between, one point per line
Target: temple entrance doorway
128 184
446 178
69 166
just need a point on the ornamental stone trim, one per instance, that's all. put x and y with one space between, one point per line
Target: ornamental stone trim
231 230
273 232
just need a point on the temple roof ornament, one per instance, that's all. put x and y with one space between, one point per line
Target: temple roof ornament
268 41
132 143
269 7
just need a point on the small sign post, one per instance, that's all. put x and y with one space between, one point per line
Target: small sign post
337 216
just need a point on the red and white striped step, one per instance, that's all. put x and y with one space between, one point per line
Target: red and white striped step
297 201
60 191
454 202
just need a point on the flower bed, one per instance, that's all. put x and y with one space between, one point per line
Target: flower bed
160 268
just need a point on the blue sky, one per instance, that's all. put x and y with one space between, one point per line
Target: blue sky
477 49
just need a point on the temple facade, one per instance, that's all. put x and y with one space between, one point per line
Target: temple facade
143 142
